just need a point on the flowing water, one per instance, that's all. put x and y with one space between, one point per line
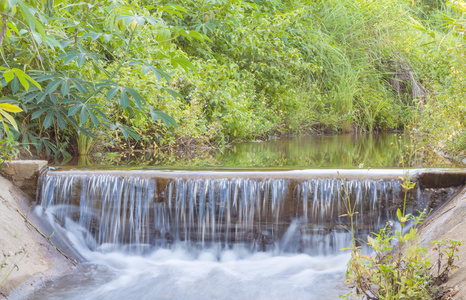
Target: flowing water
155 234
228 236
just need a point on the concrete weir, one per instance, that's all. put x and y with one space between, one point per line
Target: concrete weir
448 222
428 178
24 174
129 208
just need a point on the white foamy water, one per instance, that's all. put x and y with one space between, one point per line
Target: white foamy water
181 272
189 238
178 274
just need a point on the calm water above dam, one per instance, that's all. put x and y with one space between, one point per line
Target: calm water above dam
324 151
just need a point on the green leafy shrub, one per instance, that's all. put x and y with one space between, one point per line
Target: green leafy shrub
399 268
128 74
78 51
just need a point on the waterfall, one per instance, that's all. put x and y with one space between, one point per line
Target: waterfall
322 213
137 213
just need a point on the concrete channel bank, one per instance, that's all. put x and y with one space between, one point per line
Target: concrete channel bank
28 259
449 222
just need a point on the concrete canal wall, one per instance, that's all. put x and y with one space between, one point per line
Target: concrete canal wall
28 259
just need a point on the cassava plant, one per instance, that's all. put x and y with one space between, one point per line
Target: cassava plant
61 63
8 145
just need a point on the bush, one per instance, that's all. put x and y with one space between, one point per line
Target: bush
399 268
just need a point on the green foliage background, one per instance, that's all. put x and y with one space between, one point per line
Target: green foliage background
139 74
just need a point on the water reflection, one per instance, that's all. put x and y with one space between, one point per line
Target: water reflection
321 151
328 151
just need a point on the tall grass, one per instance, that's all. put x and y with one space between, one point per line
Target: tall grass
356 42
343 65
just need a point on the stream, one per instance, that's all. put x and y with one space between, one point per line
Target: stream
263 220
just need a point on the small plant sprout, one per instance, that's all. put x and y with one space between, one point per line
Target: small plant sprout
450 248
350 211
10 262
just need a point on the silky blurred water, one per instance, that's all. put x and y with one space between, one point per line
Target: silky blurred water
228 238
179 274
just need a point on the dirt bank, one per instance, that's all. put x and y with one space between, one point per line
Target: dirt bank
28 259
449 222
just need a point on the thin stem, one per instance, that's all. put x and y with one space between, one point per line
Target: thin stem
404 202
352 233
14 264
30 33
2 36
128 47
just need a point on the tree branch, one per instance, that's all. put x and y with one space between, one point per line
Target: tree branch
2 36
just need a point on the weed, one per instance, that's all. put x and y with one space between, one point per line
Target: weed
10 262
8 149
451 247
399 268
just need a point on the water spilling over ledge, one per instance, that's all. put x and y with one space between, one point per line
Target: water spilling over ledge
221 235
278 212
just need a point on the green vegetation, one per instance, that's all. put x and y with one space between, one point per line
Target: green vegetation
399 268
8 145
124 75
10 262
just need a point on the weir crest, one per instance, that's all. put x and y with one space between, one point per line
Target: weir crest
135 212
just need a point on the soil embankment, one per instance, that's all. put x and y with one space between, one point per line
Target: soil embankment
28 259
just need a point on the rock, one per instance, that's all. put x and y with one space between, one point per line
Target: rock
24 174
